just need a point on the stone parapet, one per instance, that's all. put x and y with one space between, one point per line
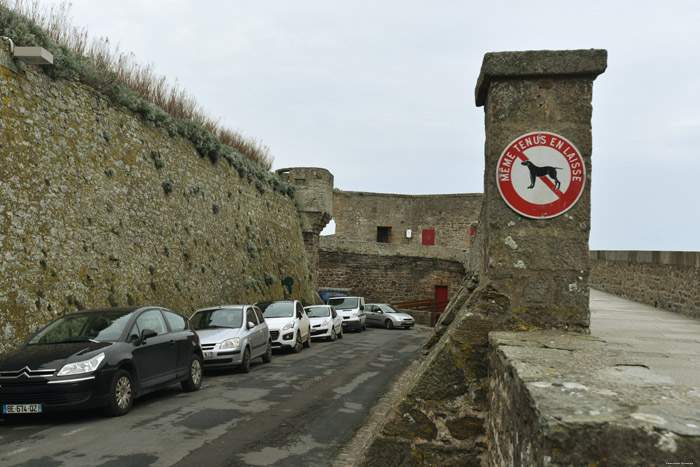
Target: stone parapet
564 399
664 279
333 243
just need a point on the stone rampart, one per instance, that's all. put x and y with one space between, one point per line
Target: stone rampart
361 216
98 208
664 279
388 273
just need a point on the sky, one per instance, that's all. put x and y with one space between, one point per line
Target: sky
381 92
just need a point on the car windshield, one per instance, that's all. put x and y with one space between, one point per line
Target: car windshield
391 309
318 311
102 326
279 310
217 318
344 303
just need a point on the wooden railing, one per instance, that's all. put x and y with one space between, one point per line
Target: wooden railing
434 307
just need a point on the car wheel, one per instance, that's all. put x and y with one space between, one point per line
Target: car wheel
297 345
121 394
364 326
245 362
340 335
388 324
267 356
307 344
194 376
333 336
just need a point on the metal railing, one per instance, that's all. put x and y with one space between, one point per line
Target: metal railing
434 307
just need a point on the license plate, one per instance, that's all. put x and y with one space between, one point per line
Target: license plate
21 408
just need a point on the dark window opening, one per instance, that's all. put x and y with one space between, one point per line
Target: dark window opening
383 234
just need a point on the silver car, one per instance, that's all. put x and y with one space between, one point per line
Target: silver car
387 316
232 335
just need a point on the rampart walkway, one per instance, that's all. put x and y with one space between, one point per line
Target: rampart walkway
667 343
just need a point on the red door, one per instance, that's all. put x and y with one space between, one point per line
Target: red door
428 236
441 298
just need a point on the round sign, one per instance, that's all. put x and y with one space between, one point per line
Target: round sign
540 175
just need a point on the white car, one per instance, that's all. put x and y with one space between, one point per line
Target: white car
387 316
326 323
290 328
232 335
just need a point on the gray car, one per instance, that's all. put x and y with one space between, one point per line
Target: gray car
232 335
387 316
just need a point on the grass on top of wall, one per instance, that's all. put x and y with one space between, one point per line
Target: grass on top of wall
134 86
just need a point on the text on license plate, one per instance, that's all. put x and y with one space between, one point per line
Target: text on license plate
21 408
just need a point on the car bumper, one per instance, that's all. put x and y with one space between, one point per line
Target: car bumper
222 358
352 324
80 393
321 332
283 339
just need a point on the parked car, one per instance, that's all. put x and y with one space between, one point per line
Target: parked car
232 335
290 328
326 323
388 316
100 358
352 309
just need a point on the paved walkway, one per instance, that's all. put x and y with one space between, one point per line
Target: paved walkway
668 343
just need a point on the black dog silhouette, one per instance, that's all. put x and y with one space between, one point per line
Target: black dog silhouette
541 172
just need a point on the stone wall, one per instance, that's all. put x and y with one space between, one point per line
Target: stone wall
98 208
664 279
565 399
387 273
357 216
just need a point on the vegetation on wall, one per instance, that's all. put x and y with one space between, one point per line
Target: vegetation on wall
136 87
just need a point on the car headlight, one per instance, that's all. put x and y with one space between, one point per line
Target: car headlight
230 343
354 315
86 366
289 325
324 323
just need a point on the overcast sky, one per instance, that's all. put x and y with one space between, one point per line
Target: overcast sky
381 92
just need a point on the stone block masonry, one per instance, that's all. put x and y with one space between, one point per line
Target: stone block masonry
98 208
665 279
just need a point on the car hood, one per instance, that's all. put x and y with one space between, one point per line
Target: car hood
278 323
214 336
401 316
49 356
319 320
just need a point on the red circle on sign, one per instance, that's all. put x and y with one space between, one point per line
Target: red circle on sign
540 175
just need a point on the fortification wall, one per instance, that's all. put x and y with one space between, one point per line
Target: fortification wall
357 216
98 208
388 273
664 279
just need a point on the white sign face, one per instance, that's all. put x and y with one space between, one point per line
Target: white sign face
540 175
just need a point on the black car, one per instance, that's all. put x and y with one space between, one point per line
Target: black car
100 358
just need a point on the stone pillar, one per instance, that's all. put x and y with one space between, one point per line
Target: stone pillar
314 198
538 257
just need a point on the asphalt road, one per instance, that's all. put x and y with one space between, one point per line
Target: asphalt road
299 410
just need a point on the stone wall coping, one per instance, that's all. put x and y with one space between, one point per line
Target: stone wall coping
393 195
499 65
576 381
331 243
674 258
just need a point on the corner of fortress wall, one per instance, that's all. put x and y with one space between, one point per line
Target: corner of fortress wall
100 208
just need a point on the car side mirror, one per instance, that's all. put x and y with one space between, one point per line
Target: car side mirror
147 334
251 325
362 308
